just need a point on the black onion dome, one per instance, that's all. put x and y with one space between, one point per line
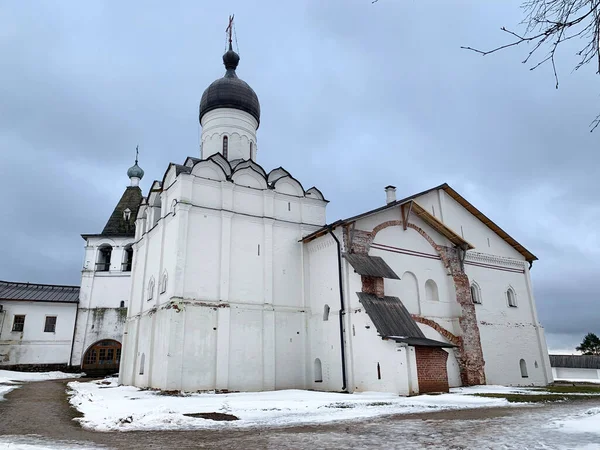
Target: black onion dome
230 91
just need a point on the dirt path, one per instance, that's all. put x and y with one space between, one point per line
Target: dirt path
42 409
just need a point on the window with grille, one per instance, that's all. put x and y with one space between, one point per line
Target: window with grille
50 325
18 323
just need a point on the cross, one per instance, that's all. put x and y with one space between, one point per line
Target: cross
136 153
229 28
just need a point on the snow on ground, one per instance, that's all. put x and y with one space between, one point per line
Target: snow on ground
38 443
588 422
8 376
109 407
10 379
579 380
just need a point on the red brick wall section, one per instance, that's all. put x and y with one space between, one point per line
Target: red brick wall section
471 360
431 369
373 285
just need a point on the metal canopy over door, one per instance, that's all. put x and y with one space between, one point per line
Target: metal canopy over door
103 356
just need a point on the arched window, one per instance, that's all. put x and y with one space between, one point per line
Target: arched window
326 312
103 262
251 151
431 291
511 297
127 259
163 283
318 371
475 293
142 363
151 289
225 146
523 366
410 288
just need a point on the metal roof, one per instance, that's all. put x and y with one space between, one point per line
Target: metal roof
230 92
393 321
117 225
10 290
575 361
452 193
372 266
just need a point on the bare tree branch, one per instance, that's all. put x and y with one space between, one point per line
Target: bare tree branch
548 24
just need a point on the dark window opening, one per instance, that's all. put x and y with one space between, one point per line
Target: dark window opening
378 372
523 367
50 325
104 254
318 371
122 304
18 323
127 260
326 312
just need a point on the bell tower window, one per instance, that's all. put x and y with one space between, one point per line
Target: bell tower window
225 146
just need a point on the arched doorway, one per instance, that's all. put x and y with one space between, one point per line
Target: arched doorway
102 357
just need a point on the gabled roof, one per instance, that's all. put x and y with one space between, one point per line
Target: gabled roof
372 266
530 257
117 225
10 290
393 321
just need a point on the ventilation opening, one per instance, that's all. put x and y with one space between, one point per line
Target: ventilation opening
378 371
523 366
318 371
326 313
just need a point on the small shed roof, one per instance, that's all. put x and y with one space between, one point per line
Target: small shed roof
393 321
575 361
373 266
10 290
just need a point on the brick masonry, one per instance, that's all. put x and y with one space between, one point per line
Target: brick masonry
470 353
431 369
373 285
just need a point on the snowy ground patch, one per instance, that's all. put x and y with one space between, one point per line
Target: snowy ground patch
10 379
588 422
109 407
578 380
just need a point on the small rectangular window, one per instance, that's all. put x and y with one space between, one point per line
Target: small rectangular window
122 305
50 325
18 323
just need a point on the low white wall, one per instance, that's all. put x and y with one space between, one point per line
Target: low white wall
33 345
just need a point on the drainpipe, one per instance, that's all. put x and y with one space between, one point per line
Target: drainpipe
70 362
342 310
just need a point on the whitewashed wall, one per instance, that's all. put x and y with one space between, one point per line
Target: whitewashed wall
100 315
33 345
507 334
233 314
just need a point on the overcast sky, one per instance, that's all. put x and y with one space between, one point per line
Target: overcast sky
354 96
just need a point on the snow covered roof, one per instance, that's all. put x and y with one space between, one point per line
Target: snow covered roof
10 290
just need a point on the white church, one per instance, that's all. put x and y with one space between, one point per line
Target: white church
226 276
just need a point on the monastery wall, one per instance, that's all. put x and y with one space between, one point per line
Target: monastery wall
33 346
323 359
233 315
